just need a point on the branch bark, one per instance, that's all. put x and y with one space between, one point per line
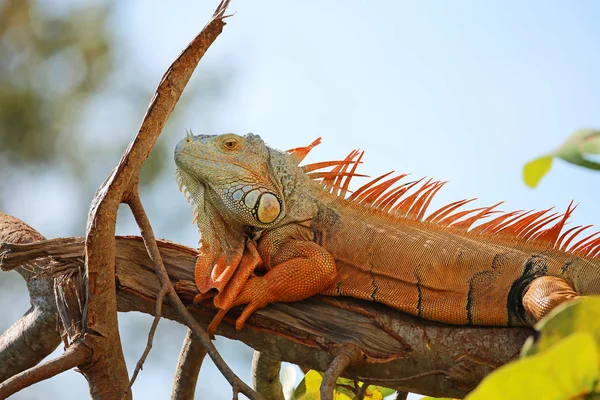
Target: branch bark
108 375
265 376
400 351
140 364
34 336
345 357
166 286
188 368
72 357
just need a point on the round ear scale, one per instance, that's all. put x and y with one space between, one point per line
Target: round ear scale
268 208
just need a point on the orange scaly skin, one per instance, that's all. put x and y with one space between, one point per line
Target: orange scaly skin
273 231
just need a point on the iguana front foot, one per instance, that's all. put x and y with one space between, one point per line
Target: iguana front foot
225 299
544 294
309 272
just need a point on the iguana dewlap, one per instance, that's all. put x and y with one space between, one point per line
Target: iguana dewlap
274 231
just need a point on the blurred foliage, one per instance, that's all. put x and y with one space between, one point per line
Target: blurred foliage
68 109
49 65
345 389
575 150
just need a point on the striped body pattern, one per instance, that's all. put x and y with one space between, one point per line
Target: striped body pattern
467 267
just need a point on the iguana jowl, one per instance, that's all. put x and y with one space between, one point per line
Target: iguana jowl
274 231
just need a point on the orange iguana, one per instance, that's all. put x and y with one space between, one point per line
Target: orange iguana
274 231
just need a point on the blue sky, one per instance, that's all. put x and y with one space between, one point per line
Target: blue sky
465 91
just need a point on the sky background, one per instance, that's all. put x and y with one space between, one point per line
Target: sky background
465 91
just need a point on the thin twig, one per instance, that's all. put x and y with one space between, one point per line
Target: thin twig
157 314
346 356
188 367
74 356
141 218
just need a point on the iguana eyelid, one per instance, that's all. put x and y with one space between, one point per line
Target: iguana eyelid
231 144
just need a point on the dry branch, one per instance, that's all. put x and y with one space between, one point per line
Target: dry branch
265 376
188 368
72 357
345 357
86 297
34 336
400 351
108 375
140 363
152 249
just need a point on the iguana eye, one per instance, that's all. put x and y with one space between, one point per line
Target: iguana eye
231 144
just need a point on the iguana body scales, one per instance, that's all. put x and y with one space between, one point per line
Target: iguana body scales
274 231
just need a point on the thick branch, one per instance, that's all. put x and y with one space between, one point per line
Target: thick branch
188 368
34 336
108 376
27 342
400 351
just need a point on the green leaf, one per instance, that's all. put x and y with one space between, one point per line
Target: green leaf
346 393
574 150
582 141
436 398
535 170
309 388
581 315
345 382
383 390
568 369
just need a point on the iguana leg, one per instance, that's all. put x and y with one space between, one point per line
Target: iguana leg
225 299
306 271
544 294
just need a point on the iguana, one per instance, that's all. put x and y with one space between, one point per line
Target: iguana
274 231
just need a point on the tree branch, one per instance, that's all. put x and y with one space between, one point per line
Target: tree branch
401 352
72 357
157 315
34 336
188 368
152 248
265 376
108 377
345 357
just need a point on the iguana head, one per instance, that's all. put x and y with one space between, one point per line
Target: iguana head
238 188
232 174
